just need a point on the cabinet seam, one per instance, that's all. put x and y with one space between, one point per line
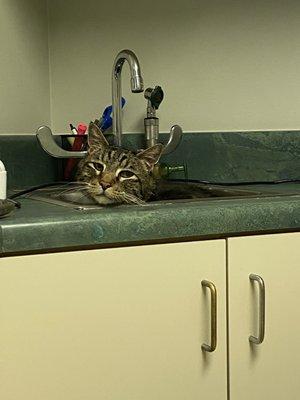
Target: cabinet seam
227 320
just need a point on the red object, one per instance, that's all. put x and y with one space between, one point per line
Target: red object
81 129
77 146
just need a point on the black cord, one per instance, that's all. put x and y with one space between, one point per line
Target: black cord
33 188
7 206
16 203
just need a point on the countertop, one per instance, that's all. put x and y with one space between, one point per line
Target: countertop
39 226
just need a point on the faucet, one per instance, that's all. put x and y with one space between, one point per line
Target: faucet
136 87
151 123
154 97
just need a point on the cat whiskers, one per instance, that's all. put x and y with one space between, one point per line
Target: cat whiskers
76 186
82 188
73 190
125 198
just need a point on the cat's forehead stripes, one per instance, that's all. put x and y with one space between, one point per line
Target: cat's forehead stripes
114 158
123 159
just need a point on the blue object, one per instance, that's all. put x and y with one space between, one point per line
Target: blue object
106 119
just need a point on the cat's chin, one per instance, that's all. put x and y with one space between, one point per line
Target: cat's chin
102 199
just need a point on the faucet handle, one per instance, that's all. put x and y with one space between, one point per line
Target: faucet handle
174 140
155 96
49 145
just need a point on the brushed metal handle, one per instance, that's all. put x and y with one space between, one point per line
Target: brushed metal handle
47 142
262 309
213 317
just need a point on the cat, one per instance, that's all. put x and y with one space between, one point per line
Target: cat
113 175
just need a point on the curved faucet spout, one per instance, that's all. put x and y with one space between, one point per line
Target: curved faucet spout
136 87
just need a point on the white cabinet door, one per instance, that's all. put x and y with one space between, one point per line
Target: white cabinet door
270 370
114 324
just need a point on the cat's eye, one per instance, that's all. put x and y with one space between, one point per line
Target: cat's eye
126 174
98 166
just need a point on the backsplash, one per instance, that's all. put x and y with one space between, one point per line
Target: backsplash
215 157
26 162
240 157
235 157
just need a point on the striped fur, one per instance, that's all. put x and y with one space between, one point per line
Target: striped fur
116 175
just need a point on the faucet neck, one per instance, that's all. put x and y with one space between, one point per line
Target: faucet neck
136 87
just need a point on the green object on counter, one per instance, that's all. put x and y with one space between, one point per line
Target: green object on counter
162 170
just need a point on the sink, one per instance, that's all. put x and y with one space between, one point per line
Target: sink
168 193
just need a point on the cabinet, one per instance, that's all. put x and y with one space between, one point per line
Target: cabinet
128 323
113 324
270 370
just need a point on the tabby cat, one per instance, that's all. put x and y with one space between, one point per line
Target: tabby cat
114 175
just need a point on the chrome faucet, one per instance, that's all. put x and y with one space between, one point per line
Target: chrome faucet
154 97
136 87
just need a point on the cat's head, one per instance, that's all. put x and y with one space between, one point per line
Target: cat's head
115 175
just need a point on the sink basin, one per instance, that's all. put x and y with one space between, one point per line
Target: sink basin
168 193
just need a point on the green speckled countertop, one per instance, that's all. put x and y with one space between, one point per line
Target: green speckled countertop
216 157
39 226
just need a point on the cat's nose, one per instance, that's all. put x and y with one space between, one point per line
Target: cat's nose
105 185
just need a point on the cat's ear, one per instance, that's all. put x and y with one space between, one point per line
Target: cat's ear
96 137
151 155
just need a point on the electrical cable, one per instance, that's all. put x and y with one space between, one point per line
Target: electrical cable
33 188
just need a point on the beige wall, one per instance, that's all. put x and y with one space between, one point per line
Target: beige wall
224 65
24 66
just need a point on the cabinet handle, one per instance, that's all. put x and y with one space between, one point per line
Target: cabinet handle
213 317
262 308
